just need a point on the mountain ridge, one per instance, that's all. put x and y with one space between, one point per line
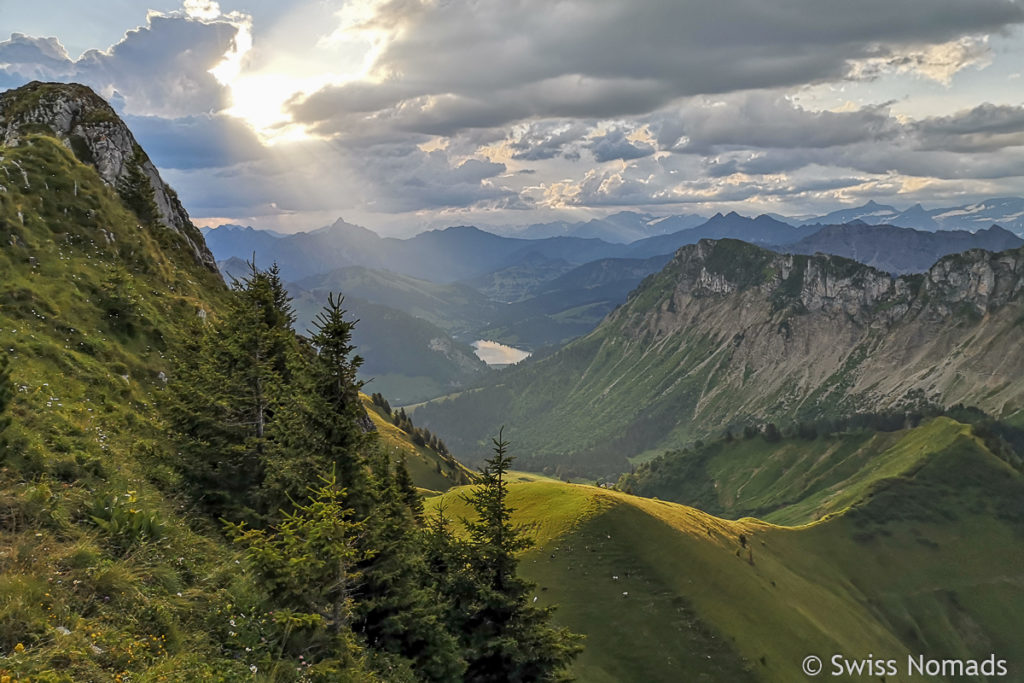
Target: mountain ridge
729 333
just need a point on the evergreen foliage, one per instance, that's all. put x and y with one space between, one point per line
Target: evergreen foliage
307 565
505 636
334 414
130 405
347 567
379 400
396 613
232 381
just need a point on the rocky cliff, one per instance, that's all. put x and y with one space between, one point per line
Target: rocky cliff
91 129
730 334
981 280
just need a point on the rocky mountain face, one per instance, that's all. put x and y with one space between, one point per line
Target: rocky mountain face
729 334
92 130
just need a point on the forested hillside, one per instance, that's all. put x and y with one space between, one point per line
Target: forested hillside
189 490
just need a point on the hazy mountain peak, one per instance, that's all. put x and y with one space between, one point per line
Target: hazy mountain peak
341 226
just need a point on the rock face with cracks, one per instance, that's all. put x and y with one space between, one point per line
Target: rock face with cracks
730 334
92 130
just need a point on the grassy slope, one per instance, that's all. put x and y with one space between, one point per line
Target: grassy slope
88 304
793 481
430 471
925 559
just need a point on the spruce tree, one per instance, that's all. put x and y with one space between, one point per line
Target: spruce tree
282 302
407 490
307 563
231 381
334 410
396 612
508 638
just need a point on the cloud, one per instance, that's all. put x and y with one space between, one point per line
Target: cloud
317 176
194 142
539 141
937 62
614 145
761 119
160 69
207 10
608 103
985 128
763 147
437 64
33 57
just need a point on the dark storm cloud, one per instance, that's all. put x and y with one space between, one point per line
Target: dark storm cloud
599 59
761 119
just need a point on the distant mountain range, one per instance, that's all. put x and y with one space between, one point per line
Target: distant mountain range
629 226
729 333
898 250
468 284
508 269
623 227
449 255
1006 212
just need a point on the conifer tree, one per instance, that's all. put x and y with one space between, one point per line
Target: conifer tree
407 490
231 382
307 563
507 637
334 411
282 302
396 612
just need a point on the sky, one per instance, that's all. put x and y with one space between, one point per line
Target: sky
403 115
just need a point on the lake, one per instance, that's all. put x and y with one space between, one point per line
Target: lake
495 353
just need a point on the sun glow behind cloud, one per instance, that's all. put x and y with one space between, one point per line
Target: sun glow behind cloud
436 109
259 95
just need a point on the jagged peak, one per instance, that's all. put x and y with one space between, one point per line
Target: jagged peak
88 126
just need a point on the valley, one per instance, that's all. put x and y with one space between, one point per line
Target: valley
708 447
539 293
